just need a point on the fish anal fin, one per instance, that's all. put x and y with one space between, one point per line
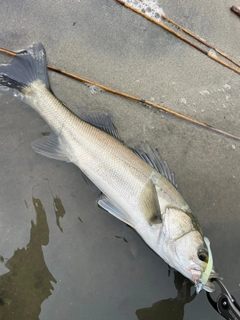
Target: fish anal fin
107 205
49 146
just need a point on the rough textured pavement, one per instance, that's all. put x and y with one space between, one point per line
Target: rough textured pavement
63 257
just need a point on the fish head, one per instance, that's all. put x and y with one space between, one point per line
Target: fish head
195 261
187 250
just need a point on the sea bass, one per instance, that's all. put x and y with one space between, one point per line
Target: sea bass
136 186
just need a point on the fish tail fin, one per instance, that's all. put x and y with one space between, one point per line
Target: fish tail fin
26 67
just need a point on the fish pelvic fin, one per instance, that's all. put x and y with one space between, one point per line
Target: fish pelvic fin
50 147
26 67
107 205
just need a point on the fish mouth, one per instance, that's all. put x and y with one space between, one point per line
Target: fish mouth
208 286
204 282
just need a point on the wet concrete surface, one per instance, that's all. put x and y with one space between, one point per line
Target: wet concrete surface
63 257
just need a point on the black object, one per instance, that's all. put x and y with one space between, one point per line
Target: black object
226 304
170 308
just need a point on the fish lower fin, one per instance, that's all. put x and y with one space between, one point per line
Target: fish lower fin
26 67
50 147
107 205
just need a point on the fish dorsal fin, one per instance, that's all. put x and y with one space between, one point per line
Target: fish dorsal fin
50 147
102 122
107 205
154 159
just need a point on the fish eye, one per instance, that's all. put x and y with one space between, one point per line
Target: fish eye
203 255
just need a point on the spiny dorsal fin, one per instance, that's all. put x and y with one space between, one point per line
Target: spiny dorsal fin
154 159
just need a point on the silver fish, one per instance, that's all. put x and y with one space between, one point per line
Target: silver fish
133 189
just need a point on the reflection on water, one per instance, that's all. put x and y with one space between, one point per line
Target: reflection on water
172 308
124 239
28 282
59 210
57 202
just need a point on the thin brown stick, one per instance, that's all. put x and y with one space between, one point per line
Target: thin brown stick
162 26
179 36
236 10
225 64
201 40
188 32
8 52
128 96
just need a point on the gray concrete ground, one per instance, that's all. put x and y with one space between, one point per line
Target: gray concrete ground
61 256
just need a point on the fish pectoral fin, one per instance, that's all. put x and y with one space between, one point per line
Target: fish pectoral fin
50 147
150 203
156 214
107 205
